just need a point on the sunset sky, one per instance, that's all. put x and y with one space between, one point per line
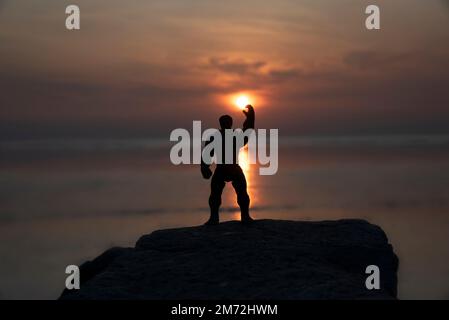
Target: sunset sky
142 68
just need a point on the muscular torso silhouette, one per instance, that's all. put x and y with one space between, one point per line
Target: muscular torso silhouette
229 173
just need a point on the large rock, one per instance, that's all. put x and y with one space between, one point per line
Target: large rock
269 259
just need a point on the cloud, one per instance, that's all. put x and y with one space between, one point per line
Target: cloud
374 60
41 105
285 73
239 67
239 74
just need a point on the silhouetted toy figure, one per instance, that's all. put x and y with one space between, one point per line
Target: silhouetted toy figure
229 173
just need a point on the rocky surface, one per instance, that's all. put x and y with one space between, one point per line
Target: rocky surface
269 259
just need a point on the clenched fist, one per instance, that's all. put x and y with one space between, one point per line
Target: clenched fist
249 112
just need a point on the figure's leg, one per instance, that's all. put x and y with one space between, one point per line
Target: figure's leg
217 185
239 184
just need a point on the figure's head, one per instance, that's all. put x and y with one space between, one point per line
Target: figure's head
226 122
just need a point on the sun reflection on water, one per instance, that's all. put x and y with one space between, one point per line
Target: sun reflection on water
246 167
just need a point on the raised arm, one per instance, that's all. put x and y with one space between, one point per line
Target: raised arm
250 117
249 121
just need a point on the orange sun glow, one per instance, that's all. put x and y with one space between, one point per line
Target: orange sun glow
242 101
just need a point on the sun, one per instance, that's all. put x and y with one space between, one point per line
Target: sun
242 101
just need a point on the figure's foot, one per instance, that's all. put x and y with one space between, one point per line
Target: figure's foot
247 219
212 222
